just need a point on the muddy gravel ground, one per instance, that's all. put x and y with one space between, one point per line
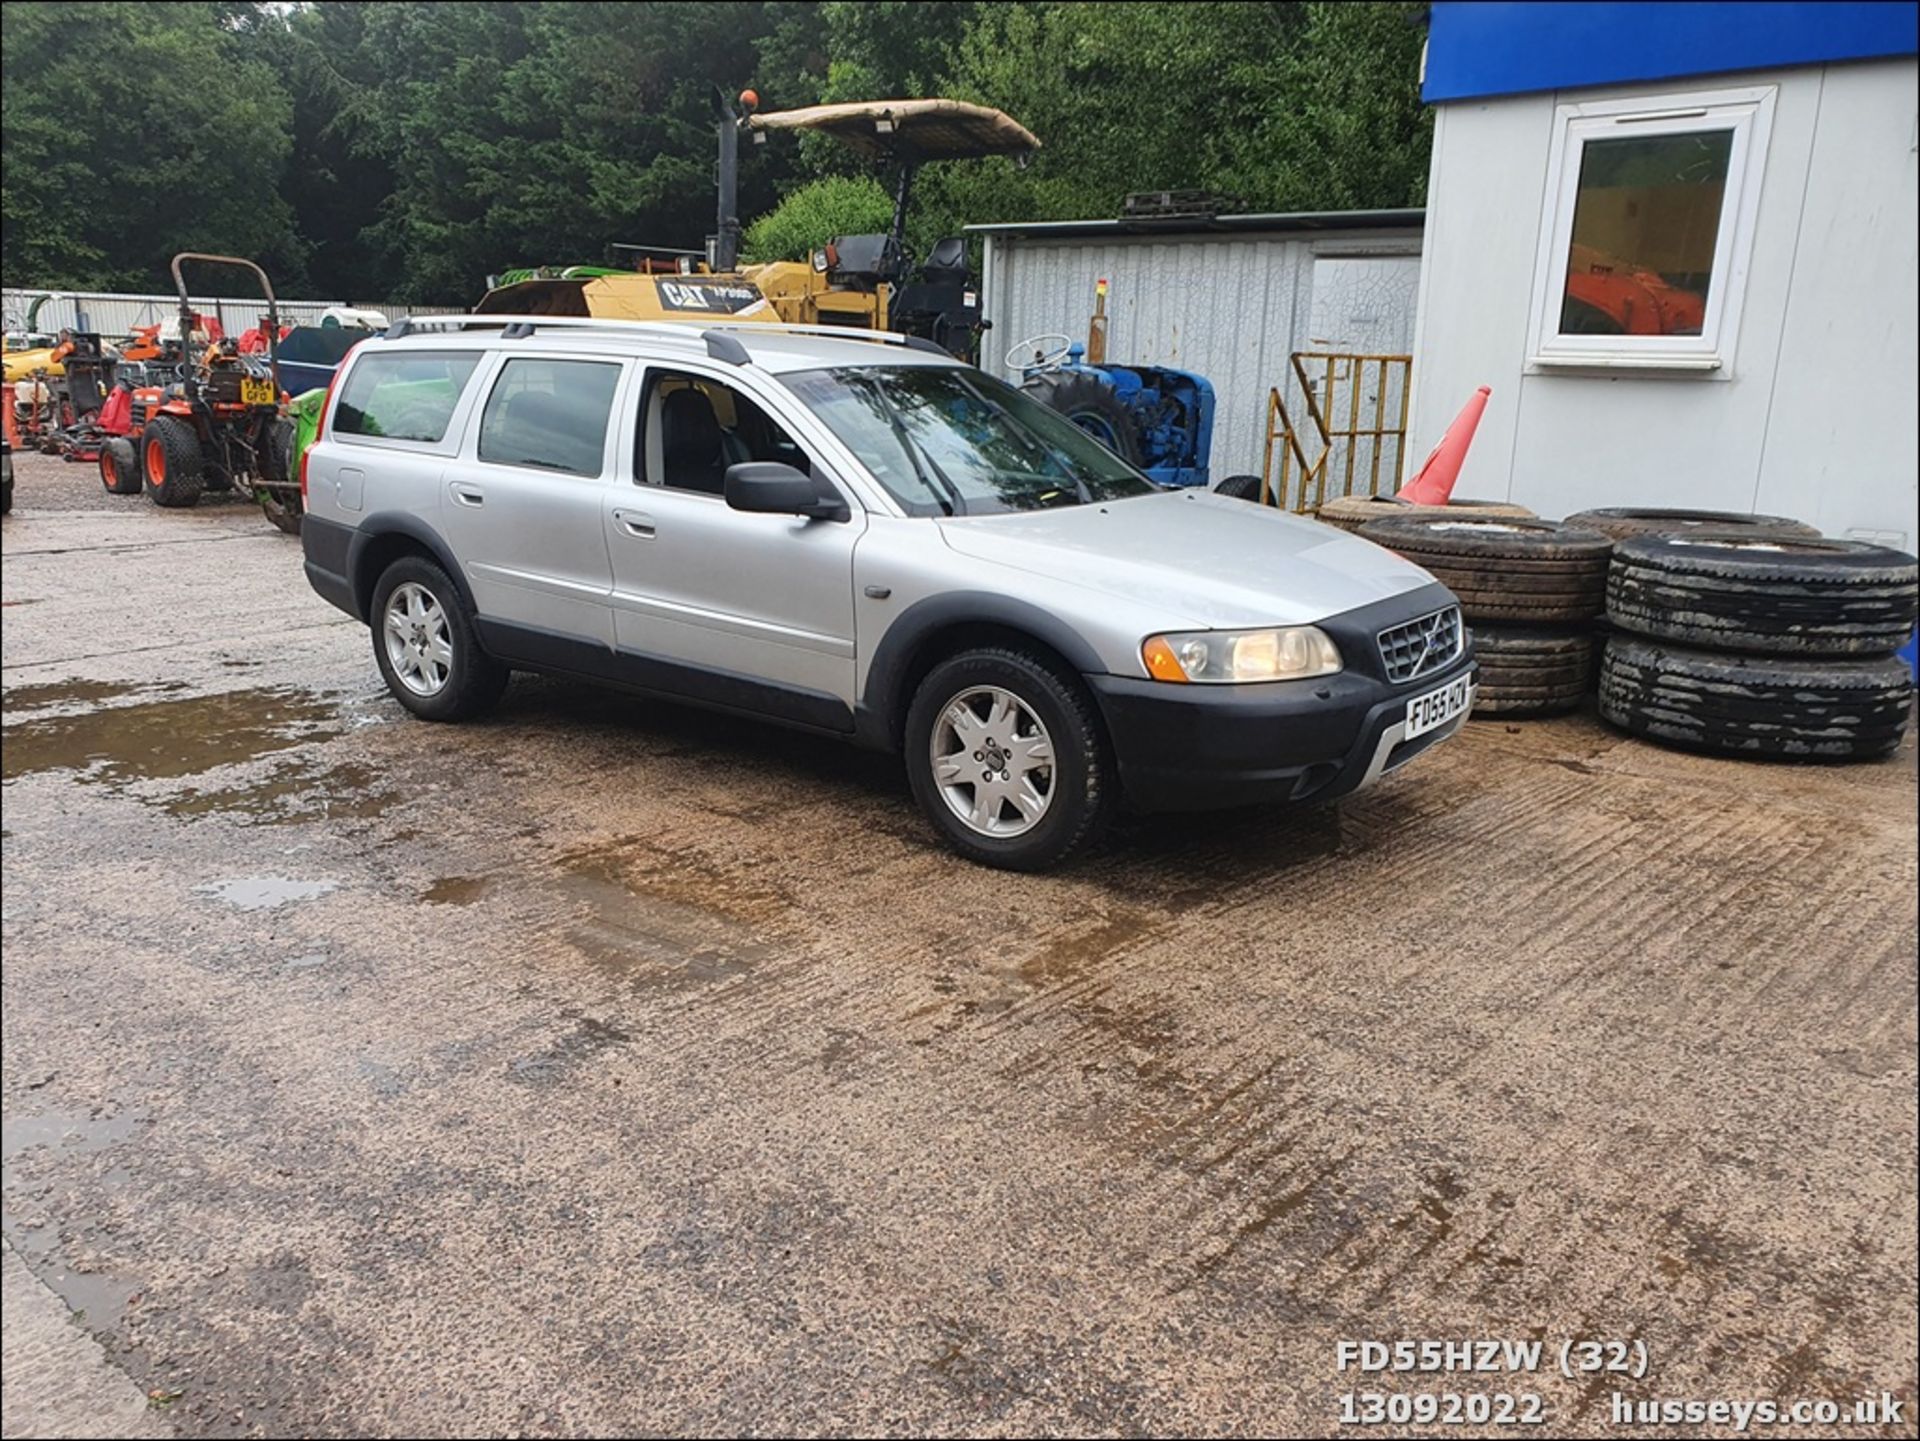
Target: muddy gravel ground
613 1067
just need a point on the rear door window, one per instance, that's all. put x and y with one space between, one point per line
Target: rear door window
550 414
406 396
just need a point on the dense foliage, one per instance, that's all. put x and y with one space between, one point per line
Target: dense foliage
405 150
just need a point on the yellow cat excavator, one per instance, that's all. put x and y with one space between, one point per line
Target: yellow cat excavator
866 281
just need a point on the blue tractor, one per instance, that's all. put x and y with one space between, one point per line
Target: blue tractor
1157 419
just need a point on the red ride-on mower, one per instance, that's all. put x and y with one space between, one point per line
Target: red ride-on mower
219 425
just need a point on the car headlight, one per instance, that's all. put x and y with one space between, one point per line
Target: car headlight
1224 657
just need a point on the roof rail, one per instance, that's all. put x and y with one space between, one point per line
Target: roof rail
524 325
694 327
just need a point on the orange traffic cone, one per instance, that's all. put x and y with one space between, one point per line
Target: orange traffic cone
1434 481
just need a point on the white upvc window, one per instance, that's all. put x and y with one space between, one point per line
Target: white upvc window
1648 231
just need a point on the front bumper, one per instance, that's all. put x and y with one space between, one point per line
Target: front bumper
1193 747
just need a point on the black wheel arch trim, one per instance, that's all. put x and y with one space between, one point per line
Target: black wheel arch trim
378 527
883 698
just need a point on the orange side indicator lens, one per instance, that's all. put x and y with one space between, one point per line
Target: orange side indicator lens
1162 664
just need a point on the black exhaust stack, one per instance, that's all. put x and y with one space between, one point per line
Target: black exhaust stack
724 253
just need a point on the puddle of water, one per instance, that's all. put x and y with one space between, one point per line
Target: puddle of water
653 919
77 693
97 1297
264 893
299 792
167 739
456 890
66 1130
384 1079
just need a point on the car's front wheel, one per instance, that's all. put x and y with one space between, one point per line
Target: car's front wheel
1007 759
426 647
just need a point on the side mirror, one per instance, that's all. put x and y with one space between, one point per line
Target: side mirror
769 487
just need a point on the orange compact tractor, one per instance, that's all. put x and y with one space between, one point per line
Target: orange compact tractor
217 423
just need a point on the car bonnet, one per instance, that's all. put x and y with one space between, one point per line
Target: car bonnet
1209 561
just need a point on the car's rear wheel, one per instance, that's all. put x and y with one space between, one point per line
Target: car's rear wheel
1007 759
426 646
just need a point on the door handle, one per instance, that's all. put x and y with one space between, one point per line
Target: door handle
634 523
468 494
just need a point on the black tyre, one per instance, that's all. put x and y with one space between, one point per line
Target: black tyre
1505 568
1624 522
170 462
279 495
1007 758
1090 404
1350 512
1778 595
1240 487
120 466
1800 709
276 452
281 506
426 646
1531 672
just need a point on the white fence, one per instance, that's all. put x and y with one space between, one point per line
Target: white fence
115 315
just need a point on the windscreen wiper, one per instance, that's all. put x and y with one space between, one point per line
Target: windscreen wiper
1063 462
954 503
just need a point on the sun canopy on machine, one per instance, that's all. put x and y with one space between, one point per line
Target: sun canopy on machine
912 130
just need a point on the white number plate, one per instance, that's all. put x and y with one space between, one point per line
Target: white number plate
1436 707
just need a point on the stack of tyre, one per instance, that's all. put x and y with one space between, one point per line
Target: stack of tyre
1352 512
1531 591
1760 640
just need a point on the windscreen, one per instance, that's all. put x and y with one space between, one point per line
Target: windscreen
950 441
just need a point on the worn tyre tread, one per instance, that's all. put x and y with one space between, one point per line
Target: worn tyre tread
1806 709
1351 512
1788 596
1626 522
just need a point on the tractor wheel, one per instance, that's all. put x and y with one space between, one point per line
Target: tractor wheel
276 452
171 463
1090 404
279 498
282 510
120 466
1240 487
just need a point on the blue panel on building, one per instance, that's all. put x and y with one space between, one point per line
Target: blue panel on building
1478 49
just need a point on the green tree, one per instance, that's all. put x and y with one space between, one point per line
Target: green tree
129 132
539 133
1345 128
812 215
405 150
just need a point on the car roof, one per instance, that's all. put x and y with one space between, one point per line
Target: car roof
774 348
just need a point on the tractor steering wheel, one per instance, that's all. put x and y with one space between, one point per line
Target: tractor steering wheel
1043 358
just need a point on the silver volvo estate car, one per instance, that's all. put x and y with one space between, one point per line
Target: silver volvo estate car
860 536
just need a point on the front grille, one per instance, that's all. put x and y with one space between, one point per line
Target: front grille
1421 646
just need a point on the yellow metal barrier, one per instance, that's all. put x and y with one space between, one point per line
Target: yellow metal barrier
1303 483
